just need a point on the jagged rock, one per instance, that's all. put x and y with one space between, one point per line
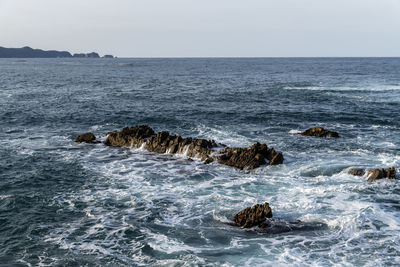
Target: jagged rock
253 216
319 132
279 226
201 148
208 160
86 138
163 142
277 159
129 137
249 158
377 174
356 172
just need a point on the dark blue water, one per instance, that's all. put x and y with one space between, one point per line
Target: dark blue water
69 204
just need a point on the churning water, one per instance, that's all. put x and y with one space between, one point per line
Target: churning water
64 203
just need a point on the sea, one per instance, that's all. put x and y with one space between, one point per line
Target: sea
64 203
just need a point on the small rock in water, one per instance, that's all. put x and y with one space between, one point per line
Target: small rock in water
253 216
320 132
87 138
377 174
356 172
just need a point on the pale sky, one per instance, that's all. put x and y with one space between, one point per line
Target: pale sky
205 28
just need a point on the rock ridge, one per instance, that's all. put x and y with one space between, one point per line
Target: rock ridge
207 150
375 174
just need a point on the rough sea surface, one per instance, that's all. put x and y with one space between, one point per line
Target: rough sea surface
69 204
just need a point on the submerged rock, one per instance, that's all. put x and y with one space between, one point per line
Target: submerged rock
87 138
356 172
320 132
249 158
129 137
377 174
278 226
253 216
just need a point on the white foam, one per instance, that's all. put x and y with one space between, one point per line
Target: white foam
154 193
295 131
220 218
224 136
95 127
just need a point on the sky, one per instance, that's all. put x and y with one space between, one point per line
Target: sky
205 28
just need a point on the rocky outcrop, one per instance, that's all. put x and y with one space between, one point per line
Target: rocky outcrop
129 137
206 150
356 172
251 157
163 142
253 216
377 174
260 217
87 138
108 56
320 132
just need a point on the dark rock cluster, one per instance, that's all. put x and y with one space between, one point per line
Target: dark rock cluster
206 150
320 132
375 174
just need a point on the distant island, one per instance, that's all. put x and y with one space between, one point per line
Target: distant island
28 52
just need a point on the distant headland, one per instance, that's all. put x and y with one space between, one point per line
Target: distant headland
28 52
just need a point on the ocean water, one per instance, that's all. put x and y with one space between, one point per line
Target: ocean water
69 204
